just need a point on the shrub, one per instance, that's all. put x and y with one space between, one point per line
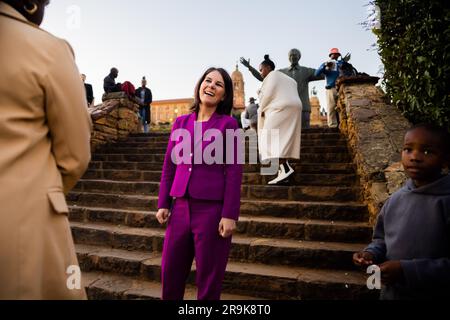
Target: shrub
414 45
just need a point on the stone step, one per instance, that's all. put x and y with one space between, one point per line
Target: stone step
300 193
167 133
305 136
150 134
328 168
162 150
266 227
305 179
293 193
248 178
106 286
163 144
333 211
308 130
320 129
273 251
255 280
306 158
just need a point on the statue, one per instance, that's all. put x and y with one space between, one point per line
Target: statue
302 75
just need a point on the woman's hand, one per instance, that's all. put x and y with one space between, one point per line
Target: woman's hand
245 62
163 215
226 227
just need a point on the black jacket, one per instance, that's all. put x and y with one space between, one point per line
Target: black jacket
89 93
109 85
147 100
148 96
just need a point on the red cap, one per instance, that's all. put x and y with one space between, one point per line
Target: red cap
334 51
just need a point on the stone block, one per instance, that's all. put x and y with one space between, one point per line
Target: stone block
106 216
375 131
126 113
105 129
107 121
395 176
379 192
114 95
132 242
359 103
125 125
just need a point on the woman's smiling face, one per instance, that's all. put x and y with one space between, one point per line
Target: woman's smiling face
212 89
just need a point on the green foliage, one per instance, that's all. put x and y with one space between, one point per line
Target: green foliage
414 44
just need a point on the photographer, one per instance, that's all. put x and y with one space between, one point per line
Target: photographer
331 71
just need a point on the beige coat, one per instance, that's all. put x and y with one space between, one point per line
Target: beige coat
279 118
44 143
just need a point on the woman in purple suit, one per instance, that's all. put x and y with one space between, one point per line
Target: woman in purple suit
200 198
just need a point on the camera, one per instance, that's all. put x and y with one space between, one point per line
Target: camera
330 65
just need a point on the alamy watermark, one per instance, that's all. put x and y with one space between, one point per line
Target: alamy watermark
73 21
74 277
228 149
373 21
374 281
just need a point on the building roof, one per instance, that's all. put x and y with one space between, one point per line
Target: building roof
173 101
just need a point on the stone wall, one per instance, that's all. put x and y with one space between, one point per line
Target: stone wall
375 131
114 119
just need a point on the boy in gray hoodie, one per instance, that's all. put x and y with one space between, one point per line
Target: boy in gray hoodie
411 242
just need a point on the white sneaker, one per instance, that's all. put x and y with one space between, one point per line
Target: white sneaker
282 174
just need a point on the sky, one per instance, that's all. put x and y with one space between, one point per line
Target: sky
172 42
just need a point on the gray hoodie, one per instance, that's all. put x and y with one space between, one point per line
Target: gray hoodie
414 227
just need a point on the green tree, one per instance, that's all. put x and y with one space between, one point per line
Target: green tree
414 45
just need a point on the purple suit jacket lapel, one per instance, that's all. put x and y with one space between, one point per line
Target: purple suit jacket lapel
215 118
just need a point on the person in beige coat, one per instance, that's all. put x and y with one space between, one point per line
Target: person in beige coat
45 148
279 120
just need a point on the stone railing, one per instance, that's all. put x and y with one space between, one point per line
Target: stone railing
375 131
114 119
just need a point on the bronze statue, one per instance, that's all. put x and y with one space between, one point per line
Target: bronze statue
302 75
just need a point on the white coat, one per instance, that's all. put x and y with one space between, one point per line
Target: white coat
279 118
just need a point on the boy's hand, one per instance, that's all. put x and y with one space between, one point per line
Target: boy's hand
391 272
363 259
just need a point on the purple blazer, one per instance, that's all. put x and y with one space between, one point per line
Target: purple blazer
220 182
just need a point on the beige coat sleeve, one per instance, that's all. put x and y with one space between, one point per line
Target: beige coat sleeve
67 116
268 91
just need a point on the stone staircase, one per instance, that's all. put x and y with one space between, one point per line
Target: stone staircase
293 242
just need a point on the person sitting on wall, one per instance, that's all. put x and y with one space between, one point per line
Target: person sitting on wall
109 83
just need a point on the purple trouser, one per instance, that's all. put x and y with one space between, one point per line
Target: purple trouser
193 231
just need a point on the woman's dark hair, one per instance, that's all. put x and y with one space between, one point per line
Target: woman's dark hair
224 106
35 18
268 62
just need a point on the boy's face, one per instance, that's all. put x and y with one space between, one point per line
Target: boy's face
423 156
